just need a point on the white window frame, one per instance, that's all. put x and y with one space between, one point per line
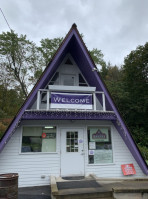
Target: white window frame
101 164
61 79
38 153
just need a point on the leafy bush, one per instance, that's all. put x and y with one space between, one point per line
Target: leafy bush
4 123
144 151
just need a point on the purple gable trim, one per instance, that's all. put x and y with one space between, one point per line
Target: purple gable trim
48 70
129 140
98 83
68 115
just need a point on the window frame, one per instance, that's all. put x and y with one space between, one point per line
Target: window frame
111 137
37 153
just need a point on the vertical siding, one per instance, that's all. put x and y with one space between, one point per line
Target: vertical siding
32 166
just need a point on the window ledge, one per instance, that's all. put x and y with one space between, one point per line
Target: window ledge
37 153
102 164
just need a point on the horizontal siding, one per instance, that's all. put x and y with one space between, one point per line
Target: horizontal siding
29 166
32 166
121 155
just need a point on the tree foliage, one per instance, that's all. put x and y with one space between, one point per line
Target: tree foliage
128 86
135 78
21 64
10 102
97 57
19 60
48 48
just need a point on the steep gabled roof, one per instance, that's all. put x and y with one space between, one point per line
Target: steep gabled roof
74 45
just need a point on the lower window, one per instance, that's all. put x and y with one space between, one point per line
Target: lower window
39 139
99 145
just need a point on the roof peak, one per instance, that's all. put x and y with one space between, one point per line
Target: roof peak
74 25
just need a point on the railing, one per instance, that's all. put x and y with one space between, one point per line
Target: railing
44 97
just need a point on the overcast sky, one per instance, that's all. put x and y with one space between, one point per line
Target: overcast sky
114 26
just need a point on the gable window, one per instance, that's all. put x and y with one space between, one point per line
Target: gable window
82 81
68 80
99 145
38 139
68 62
55 79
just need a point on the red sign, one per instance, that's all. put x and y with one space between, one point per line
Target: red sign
128 169
43 135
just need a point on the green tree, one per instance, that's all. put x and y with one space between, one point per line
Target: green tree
10 102
113 78
135 77
19 59
48 48
97 57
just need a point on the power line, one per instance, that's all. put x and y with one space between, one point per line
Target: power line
5 19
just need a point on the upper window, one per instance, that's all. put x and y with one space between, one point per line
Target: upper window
99 145
55 79
68 80
68 62
39 139
82 81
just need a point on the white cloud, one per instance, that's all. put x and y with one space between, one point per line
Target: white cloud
114 26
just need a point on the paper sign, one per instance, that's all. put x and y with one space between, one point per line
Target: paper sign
128 169
103 156
99 135
92 145
91 152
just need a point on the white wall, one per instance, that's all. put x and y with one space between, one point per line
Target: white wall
65 69
32 166
29 166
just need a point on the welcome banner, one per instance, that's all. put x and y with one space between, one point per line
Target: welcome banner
71 100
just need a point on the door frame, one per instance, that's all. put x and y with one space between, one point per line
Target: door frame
84 144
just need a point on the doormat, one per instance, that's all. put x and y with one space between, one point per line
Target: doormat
73 178
78 184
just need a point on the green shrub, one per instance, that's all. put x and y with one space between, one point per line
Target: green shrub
144 151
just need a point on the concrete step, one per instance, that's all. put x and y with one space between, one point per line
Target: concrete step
83 193
83 189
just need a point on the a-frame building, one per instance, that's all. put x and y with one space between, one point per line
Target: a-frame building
69 124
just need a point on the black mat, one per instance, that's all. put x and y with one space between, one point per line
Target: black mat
78 184
73 178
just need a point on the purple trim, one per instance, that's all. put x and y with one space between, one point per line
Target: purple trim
13 125
67 115
74 45
130 144
129 141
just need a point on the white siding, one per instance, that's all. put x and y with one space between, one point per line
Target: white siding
32 166
29 166
65 69
121 155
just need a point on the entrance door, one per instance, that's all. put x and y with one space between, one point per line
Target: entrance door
72 152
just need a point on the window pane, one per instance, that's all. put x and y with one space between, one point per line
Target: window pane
55 79
99 145
72 141
82 82
39 139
